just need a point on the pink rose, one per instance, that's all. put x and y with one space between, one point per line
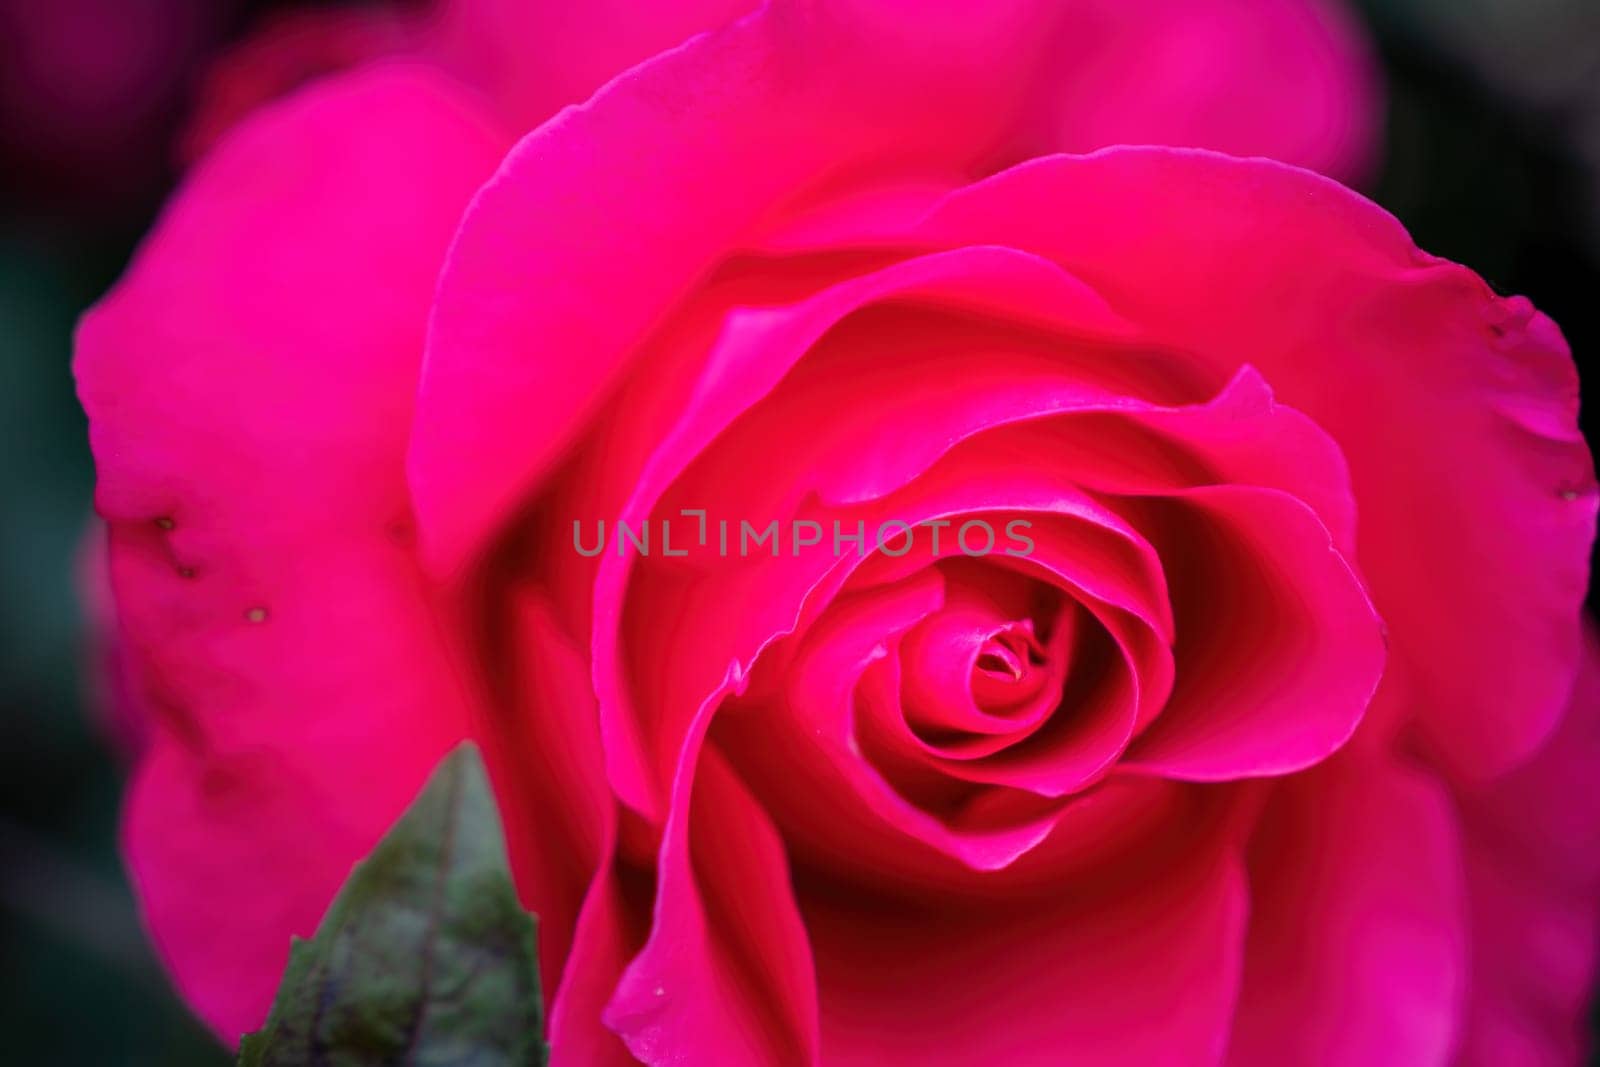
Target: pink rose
1252 753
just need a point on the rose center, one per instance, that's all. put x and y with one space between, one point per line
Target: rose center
1007 671
990 664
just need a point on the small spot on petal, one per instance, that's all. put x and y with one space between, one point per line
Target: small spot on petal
1569 495
165 523
660 992
185 572
401 532
256 615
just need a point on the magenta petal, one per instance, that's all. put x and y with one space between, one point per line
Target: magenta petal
1240 436
726 976
1357 950
277 627
611 927
1278 648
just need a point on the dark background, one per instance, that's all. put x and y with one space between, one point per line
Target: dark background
1492 159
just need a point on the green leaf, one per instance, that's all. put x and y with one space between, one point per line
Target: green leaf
425 956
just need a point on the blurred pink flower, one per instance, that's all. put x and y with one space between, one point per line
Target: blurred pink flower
1293 80
89 90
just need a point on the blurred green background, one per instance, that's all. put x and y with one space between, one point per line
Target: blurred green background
1493 159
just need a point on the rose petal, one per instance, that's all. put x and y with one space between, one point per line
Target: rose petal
729 130
726 974
1278 648
611 929
251 475
1357 950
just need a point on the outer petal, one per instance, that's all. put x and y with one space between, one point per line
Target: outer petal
1533 874
1456 409
248 386
564 265
611 929
1357 932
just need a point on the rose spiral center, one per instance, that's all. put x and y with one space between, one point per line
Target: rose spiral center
990 665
